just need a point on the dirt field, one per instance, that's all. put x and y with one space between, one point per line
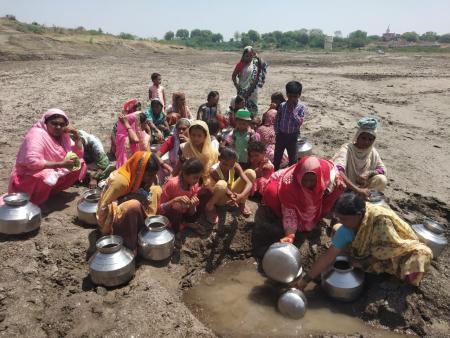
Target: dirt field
44 289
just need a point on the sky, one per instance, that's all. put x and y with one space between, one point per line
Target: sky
149 18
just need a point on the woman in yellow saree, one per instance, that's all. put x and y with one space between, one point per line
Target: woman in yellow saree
377 239
129 197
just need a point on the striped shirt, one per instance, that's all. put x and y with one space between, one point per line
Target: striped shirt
289 122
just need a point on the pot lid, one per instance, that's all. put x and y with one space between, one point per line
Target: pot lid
428 235
16 199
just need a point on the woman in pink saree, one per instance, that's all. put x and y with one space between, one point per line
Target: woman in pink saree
132 136
43 165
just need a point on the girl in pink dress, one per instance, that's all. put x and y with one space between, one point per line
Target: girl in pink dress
262 166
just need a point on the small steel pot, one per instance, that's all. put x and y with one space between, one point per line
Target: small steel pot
112 264
156 242
282 262
341 281
432 234
18 215
87 206
377 198
292 304
304 148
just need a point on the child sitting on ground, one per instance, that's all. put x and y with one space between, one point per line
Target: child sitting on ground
231 184
157 121
156 90
214 128
236 103
211 109
239 138
180 200
260 164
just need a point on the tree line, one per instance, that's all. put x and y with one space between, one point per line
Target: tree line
298 39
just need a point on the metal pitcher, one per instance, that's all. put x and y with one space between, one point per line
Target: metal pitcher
341 281
18 215
112 264
87 206
292 304
282 262
432 234
304 148
156 242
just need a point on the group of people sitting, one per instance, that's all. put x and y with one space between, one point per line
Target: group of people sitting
222 160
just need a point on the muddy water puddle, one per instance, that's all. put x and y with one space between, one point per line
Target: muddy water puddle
235 301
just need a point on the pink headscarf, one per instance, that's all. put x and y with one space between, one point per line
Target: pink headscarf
309 205
39 146
130 106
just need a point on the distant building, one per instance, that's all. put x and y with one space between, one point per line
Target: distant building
388 36
328 45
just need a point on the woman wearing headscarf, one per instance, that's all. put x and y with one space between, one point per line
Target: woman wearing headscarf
133 134
198 146
130 195
129 107
249 75
360 162
178 109
303 194
48 161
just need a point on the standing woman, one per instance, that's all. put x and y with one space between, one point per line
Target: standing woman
49 161
251 72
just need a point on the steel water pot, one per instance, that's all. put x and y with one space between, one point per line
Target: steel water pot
18 215
432 234
304 148
341 281
87 206
377 198
112 264
292 303
156 242
282 262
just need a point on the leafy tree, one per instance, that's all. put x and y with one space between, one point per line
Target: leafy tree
169 35
445 38
127 36
357 39
237 36
410 36
100 31
429 36
182 34
373 38
245 40
253 35
217 38
303 37
338 34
